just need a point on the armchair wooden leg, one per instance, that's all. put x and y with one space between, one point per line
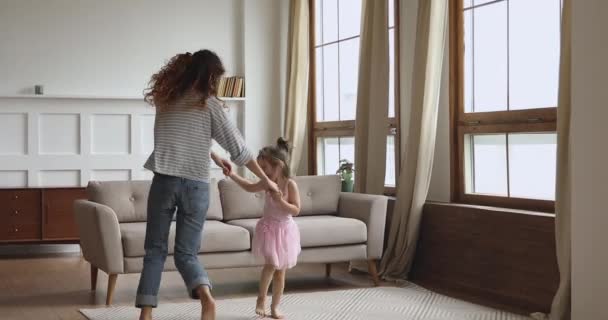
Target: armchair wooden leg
328 270
111 285
93 277
373 271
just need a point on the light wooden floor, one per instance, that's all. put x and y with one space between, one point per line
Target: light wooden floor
55 287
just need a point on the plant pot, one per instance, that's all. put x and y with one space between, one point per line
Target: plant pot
347 186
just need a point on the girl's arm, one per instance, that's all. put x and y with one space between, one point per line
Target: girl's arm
246 184
292 203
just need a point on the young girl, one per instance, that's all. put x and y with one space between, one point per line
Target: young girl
188 116
276 238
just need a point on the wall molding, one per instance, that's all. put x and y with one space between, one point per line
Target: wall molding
68 141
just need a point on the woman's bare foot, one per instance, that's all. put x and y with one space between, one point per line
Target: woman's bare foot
260 306
146 313
207 303
275 313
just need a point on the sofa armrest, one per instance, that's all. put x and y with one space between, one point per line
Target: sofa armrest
100 237
371 209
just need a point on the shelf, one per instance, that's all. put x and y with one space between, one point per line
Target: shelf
75 97
91 97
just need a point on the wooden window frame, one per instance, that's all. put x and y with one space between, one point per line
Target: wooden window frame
515 121
346 128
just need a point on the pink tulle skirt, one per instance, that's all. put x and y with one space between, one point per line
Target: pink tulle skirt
277 242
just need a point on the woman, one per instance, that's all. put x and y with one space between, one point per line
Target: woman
188 117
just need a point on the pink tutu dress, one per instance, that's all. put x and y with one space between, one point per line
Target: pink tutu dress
277 238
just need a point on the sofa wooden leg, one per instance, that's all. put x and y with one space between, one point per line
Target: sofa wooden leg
111 285
373 271
328 270
93 277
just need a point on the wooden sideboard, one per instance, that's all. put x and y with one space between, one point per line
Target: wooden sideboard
39 215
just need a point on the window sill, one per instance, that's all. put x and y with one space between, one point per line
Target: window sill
493 209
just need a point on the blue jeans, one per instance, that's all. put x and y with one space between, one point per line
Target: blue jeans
191 198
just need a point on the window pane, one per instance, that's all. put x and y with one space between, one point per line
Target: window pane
391 13
330 20
330 83
490 57
489 164
467 3
350 18
328 155
390 177
534 46
391 73
468 61
349 70
532 165
330 150
319 83
347 149
318 24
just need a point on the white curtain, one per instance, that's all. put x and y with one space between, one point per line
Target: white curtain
560 309
372 98
417 160
297 81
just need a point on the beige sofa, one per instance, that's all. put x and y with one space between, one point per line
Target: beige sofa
334 226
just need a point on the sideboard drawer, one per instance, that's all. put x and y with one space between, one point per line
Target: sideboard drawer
21 214
16 231
22 201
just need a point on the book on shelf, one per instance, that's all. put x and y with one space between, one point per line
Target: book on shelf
221 87
235 90
231 87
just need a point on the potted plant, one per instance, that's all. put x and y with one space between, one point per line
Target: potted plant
346 175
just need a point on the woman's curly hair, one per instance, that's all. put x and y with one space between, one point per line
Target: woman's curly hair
200 71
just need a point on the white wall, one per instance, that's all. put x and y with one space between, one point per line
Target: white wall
111 48
108 47
589 158
264 69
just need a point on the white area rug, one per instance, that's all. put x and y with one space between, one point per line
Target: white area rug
385 303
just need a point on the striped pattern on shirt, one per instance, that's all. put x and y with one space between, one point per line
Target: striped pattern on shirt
182 138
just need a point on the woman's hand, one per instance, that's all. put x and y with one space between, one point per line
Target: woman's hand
227 172
277 196
271 186
222 163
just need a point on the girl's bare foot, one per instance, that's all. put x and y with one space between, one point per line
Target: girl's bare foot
260 308
207 303
275 313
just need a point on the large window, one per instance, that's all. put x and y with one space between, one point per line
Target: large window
337 25
504 62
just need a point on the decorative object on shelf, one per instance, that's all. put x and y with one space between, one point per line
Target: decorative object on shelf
346 170
231 87
39 89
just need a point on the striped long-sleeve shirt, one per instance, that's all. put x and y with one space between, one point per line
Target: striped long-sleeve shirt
182 139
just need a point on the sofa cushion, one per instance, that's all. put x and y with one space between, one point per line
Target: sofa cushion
215 205
238 203
217 237
319 195
128 199
320 231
